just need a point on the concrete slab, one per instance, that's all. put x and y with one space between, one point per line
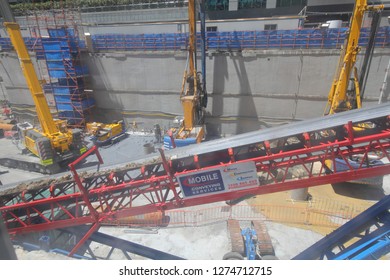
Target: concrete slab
10 175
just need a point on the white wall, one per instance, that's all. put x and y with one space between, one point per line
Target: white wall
271 4
233 5
172 27
255 25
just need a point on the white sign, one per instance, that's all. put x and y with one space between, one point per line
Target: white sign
217 180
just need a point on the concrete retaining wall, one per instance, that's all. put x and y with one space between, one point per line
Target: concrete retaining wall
247 90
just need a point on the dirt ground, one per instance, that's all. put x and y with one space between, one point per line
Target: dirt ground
356 196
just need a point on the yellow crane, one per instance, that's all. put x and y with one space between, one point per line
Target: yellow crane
53 143
341 96
193 96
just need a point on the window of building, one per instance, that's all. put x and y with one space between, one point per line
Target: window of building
289 3
250 4
270 26
217 5
211 28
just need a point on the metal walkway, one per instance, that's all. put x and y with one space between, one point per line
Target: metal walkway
270 160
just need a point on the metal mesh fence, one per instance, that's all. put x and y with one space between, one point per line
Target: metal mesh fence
323 212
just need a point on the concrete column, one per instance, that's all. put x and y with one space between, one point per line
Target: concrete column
233 5
300 194
88 42
271 4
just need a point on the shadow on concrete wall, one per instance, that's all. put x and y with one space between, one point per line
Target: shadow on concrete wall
220 74
102 84
248 118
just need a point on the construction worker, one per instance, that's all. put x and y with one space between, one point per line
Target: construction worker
157 133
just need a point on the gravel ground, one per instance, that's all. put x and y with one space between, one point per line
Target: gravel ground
192 243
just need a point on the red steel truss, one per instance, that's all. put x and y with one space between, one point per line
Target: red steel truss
293 162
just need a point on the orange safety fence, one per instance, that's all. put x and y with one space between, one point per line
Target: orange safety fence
323 212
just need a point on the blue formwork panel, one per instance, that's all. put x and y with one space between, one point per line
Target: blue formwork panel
62 99
286 39
235 39
69 114
64 102
68 105
71 32
64 45
61 90
57 74
71 82
55 71
5 42
88 103
61 32
57 32
316 38
58 90
212 42
55 65
338 35
301 41
50 45
81 70
54 55
64 106
52 50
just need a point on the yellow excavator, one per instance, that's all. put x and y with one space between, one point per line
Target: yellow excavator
193 97
53 143
343 94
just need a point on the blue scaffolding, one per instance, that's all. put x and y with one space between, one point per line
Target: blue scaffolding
61 51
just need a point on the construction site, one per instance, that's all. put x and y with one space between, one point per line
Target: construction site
195 130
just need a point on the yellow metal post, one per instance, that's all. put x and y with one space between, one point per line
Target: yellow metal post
190 97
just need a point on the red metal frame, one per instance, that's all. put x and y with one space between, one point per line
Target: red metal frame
108 195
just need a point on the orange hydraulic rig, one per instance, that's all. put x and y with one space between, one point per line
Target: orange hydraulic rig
271 160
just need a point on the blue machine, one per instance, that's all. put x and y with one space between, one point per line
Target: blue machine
168 145
250 241
371 228
355 164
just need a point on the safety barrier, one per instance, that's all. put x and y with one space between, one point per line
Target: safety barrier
239 40
319 212
236 40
